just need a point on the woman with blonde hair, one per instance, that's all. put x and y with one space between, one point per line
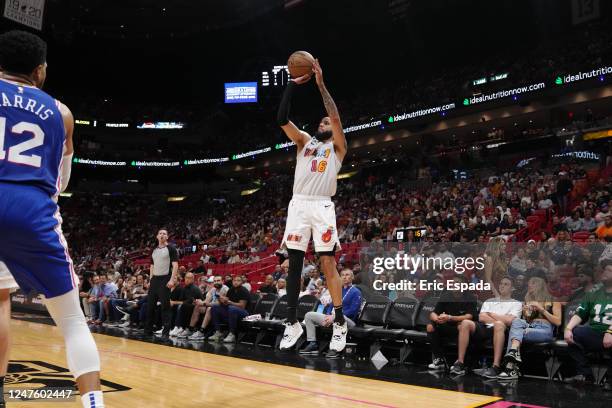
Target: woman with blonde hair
496 263
540 314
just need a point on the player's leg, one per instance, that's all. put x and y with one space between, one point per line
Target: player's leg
37 256
7 284
326 242
296 238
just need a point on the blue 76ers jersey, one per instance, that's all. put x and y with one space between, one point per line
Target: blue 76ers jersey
32 137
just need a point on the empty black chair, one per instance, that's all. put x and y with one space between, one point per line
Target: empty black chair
277 314
372 316
255 298
401 317
262 307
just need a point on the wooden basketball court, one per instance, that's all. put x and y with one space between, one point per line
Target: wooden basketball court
152 375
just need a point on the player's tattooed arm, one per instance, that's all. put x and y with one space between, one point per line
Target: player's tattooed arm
340 145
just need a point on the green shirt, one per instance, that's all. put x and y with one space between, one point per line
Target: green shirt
596 307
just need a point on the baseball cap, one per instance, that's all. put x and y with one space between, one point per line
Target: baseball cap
210 280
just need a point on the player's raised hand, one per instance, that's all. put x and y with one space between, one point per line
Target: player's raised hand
316 68
302 80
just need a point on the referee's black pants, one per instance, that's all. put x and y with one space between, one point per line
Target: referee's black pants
159 292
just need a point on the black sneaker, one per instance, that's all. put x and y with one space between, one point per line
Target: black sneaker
578 379
311 348
438 363
491 372
458 368
332 355
509 374
514 356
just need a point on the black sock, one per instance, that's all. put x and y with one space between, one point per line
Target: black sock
339 315
1 389
294 275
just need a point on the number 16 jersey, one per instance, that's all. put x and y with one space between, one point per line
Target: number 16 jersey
316 169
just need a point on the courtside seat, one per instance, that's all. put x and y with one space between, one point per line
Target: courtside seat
277 314
400 319
263 306
372 316
419 334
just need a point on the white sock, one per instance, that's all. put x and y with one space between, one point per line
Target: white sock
93 399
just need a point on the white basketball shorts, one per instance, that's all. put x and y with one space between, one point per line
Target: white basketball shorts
311 216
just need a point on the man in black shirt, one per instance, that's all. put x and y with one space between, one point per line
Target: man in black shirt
189 294
268 286
454 307
231 310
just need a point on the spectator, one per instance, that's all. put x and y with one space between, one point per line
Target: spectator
351 304
205 307
574 223
496 315
604 231
596 336
93 298
540 314
588 222
564 188
231 309
454 307
268 286
108 290
191 293
281 286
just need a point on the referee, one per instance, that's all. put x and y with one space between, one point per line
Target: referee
163 271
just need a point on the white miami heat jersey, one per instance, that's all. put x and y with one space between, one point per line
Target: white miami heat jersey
316 169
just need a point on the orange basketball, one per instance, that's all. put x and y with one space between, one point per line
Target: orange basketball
300 63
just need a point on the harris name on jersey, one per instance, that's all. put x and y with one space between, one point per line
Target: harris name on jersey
27 104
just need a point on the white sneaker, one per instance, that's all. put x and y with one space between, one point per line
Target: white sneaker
216 337
338 340
292 333
183 334
230 338
125 324
175 331
197 336
159 332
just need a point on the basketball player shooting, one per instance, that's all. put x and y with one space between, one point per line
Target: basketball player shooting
311 211
35 158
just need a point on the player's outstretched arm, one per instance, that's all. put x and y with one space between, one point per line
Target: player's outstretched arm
298 137
340 145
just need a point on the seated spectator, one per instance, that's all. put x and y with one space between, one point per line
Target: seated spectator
518 263
191 293
584 276
596 335
604 231
519 289
108 290
268 286
574 223
453 308
204 307
281 286
231 309
93 297
351 304
200 268
246 284
496 315
540 314
588 222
